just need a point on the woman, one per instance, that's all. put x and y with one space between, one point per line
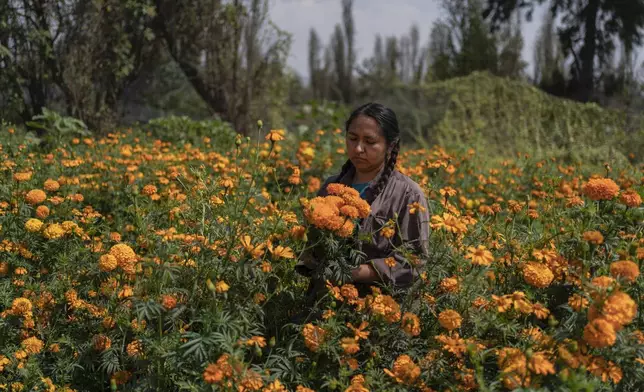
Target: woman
372 141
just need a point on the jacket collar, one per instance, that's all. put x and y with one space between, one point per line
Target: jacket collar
347 179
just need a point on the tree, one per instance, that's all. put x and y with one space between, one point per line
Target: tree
549 73
462 43
75 56
339 64
477 49
510 48
349 35
229 52
412 57
441 52
588 30
315 63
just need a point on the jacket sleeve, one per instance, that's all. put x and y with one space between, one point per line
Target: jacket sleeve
412 234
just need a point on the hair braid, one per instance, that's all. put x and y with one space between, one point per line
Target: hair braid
345 169
386 173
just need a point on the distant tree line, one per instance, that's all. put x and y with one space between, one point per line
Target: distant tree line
585 50
112 61
86 57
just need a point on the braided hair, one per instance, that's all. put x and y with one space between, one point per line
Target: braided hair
388 122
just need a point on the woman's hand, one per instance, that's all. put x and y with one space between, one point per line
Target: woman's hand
365 273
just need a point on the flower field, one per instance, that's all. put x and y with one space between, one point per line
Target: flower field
131 263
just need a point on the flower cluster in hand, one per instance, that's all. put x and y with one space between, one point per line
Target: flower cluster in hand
337 211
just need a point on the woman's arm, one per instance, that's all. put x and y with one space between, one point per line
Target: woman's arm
365 273
413 233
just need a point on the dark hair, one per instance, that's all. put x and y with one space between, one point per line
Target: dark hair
386 119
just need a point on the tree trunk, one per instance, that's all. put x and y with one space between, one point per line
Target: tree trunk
588 51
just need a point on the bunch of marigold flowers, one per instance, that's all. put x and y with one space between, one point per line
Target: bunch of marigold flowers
337 211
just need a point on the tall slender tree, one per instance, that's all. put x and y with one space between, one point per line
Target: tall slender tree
588 28
549 72
349 37
315 63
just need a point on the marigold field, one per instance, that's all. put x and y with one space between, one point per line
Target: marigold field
131 263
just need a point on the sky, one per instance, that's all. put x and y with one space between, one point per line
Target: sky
384 17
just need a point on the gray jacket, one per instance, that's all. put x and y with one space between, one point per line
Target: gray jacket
398 194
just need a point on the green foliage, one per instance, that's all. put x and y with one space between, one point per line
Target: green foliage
183 129
55 130
501 117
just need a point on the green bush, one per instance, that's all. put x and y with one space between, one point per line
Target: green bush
183 129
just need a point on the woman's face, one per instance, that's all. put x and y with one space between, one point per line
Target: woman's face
366 144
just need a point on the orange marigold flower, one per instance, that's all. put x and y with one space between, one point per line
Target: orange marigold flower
630 198
221 286
275 386
313 336
149 190
603 282
594 237
450 285
107 263
625 269
32 345
322 214
217 372
349 211
539 364
513 364
298 232
479 255
385 306
537 274
101 342
258 341
350 345
168 301
577 302
42 212
574 201
411 324
540 311
600 189
619 309
251 381
359 331
301 388
390 262
53 231
33 225
22 176
450 319
21 307
388 230
275 135
51 185
313 184
347 229
124 254
35 196
280 251
349 292
404 371
416 206
121 377
134 349
449 223
599 333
